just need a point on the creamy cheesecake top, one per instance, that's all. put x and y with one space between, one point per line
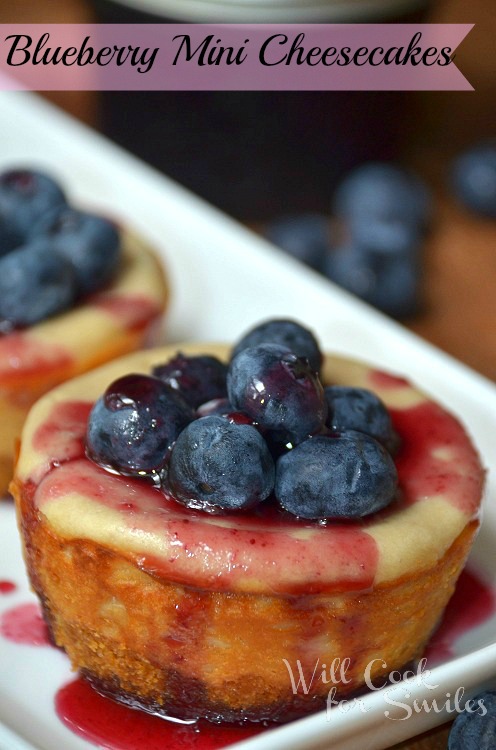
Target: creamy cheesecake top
262 550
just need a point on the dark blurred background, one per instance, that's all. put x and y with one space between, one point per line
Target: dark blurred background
258 155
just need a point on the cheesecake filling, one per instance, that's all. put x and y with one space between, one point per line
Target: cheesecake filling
264 550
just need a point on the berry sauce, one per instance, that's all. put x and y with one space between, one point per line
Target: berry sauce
7 587
435 458
25 624
116 727
22 358
113 726
131 311
472 604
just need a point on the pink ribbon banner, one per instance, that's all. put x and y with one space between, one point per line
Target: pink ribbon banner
244 57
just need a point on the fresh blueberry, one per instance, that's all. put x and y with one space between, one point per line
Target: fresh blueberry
475 728
474 179
221 407
389 283
305 236
25 196
35 283
9 237
349 475
90 242
391 238
383 191
278 390
133 426
361 410
218 464
198 379
216 407
286 333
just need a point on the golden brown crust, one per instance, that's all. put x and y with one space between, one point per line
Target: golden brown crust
140 636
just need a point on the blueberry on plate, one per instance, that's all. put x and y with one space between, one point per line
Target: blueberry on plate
9 237
306 237
286 333
216 464
386 238
361 410
388 282
346 476
198 379
35 283
383 191
278 390
90 242
473 177
475 728
25 196
132 427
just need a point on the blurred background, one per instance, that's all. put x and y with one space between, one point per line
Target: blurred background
262 156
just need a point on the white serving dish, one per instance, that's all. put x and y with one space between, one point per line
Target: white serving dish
224 279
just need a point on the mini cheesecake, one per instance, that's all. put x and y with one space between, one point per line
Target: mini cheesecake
238 616
117 320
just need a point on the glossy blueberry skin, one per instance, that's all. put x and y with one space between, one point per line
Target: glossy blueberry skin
389 283
361 410
475 729
198 379
278 390
347 476
221 407
384 191
133 426
288 333
216 464
473 177
35 283
90 242
26 196
306 237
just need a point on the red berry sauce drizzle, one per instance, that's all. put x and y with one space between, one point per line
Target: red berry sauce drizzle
116 727
25 624
7 587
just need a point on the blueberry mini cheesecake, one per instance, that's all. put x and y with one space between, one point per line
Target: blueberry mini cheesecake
75 291
204 525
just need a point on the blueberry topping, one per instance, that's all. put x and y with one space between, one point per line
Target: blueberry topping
9 237
218 464
286 333
475 729
198 379
474 179
306 237
385 192
25 196
361 410
90 242
35 283
349 475
134 425
278 390
221 407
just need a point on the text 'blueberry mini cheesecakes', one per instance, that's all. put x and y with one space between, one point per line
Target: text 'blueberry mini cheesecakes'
189 555
75 291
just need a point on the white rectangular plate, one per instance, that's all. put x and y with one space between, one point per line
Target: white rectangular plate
224 279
